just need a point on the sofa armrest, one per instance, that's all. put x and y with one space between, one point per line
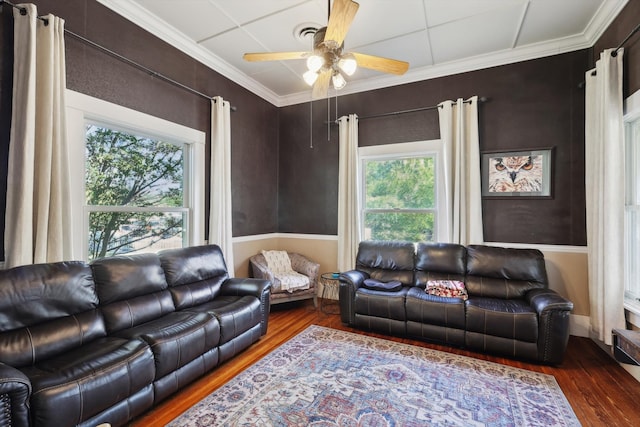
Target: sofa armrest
350 281
15 390
553 323
547 299
305 266
259 288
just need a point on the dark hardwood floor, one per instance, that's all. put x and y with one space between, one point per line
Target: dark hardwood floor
600 391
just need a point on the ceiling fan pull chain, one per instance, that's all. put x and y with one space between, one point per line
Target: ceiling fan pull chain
311 124
328 118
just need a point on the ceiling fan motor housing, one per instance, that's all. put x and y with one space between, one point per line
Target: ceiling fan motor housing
327 49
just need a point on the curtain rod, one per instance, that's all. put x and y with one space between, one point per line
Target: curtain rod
23 11
413 110
635 30
615 52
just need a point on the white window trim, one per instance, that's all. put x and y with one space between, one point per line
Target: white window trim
82 109
433 147
631 113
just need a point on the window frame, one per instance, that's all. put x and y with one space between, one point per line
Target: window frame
82 110
632 194
429 148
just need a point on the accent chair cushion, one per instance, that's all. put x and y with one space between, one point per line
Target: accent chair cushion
278 261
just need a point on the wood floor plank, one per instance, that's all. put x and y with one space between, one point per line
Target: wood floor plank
599 390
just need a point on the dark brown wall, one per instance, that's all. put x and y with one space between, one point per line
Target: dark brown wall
280 183
254 125
619 29
532 104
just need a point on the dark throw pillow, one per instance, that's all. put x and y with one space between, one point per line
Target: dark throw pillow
376 285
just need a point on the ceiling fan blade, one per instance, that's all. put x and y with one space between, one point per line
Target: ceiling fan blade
321 86
274 56
379 63
340 18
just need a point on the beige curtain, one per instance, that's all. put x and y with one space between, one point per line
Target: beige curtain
38 214
220 221
348 194
604 181
459 134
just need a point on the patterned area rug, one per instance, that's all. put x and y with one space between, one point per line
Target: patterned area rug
325 377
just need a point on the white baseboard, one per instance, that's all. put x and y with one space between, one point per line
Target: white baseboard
579 325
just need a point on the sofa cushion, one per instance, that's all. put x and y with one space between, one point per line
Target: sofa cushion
34 344
387 260
132 290
435 310
37 293
177 338
506 318
123 277
46 310
194 274
384 304
193 264
504 272
78 384
440 261
236 314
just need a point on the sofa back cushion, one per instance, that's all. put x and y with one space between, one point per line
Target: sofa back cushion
387 260
440 261
132 290
194 274
45 310
504 272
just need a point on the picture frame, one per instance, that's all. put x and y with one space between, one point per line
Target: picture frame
521 173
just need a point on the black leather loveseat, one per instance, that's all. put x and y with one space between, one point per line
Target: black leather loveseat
510 309
101 343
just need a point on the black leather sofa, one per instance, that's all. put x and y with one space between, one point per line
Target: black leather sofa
510 309
84 344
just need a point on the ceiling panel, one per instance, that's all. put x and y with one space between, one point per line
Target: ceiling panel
475 35
276 32
197 19
378 20
437 13
245 11
552 19
434 36
413 48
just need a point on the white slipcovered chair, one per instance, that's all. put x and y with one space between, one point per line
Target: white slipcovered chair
293 276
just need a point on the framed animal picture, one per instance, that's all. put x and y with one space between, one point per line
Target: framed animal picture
524 173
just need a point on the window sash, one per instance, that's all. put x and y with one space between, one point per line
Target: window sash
419 149
83 110
632 203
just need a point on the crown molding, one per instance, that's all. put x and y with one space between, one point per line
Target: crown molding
133 12
596 27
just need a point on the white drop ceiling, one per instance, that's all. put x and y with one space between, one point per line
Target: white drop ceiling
436 37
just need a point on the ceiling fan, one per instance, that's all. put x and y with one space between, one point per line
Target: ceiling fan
327 62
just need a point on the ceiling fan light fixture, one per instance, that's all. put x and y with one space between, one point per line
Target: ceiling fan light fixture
348 64
338 81
315 62
310 77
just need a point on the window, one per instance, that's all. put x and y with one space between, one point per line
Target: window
632 203
134 193
400 187
140 189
